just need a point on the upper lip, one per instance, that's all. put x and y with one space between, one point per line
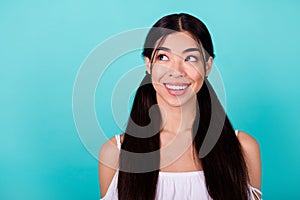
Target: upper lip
177 84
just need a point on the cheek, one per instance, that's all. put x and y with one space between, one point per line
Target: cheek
197 77
158 72
195 70
198 80
196 73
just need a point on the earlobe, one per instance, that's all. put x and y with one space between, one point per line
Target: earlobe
209 65
147 62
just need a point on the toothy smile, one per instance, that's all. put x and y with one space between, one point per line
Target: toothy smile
180 86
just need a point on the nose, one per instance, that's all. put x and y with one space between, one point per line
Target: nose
177 69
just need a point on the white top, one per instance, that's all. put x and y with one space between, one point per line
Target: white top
175 185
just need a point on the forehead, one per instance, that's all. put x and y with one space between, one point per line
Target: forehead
179 41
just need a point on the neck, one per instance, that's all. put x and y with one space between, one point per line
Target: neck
177 119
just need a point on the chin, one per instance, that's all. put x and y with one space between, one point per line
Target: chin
176 102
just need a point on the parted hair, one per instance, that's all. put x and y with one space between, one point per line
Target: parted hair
224 166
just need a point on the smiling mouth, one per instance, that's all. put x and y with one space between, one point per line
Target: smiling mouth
177 87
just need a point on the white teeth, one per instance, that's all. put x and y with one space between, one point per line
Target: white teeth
176 87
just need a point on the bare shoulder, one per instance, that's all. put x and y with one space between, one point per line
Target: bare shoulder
251 150
248 142
110 146
108 162
108 151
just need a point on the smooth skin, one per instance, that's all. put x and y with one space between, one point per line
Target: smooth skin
178 63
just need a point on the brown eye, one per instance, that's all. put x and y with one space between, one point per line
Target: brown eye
191 59
162 57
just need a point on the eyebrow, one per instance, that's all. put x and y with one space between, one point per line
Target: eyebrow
191 49
185 51
163 49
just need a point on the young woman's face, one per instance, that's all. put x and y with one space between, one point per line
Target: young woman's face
178 69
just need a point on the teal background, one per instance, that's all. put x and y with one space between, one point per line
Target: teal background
43 44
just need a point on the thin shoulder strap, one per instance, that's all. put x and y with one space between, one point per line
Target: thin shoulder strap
255 192
118 139
236 132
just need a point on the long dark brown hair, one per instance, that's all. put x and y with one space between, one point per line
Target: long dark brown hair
224 166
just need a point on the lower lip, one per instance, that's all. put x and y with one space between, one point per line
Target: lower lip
176 92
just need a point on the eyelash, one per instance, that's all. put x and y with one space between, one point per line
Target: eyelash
160 57
196 59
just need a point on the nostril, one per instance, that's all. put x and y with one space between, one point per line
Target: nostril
175 75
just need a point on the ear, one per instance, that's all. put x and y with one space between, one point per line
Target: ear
147 62
209 63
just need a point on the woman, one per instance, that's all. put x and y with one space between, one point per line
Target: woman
188 147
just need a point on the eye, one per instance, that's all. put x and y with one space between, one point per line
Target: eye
191 59
162 57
